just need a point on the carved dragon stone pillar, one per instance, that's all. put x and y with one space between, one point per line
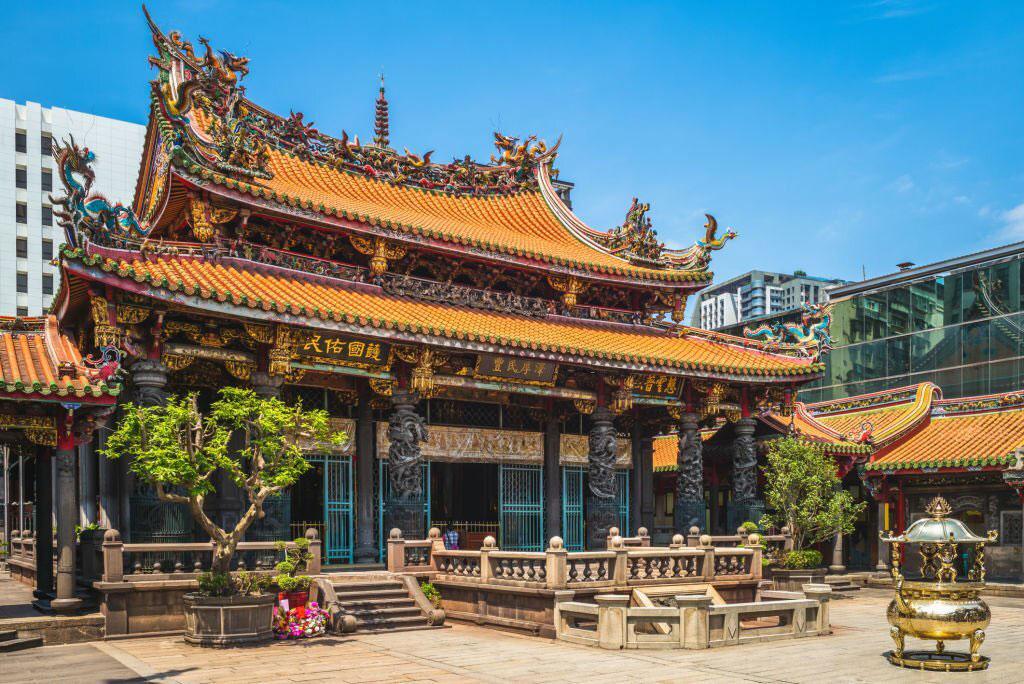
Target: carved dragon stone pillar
602 502
404 503
745 502
690 508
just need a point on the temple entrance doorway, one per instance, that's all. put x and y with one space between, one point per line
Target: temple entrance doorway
322 499
465 497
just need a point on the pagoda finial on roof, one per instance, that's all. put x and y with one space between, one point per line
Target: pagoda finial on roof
380 122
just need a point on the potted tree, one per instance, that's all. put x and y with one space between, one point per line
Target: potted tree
294 587
805 494
177 449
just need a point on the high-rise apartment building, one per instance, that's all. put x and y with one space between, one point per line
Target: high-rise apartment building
29 236
756 294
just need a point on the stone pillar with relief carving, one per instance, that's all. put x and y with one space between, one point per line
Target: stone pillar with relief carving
746 504
404 505
690 508
366 543
67 515
602 484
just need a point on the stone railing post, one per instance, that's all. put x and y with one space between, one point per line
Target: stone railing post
709 556
693 537
678 542
612 610
787 542
396 550
693 620
555 565
754 543
822 593
436 542
645 537
620 570
113 556
490 544
612 533
316 550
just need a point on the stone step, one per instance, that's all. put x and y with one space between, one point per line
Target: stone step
20 644
387 624
361 604
8 634
371 595
366 586
370 614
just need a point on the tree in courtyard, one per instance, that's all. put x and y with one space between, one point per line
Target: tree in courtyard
804 493
176 448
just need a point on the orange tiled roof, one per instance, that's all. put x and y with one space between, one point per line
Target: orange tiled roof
666 449
806 427
32 353
521 224
887 422
266 289
951 440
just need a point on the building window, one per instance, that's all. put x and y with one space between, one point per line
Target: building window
45 145
22 311
47 215
20 142
22 282
21 248
47 249
21 212
47 283
46 181
21 178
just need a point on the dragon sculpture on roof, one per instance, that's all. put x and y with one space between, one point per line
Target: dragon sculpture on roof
810 335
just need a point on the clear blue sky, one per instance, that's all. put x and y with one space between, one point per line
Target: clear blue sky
833 136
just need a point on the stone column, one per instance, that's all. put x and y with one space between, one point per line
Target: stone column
66 516
552 477
690 509
647 489
745 502
636 478
602 504
266 385
109 508
837 567
43 510
405 501
366 546
883 549
149 383
87 475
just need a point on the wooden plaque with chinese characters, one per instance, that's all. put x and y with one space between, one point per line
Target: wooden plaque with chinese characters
657 385
342 351
528 371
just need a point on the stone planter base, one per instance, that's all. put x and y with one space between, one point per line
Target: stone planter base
223 621
794 580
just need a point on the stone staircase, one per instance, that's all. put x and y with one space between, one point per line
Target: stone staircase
841 583
377 602
10 641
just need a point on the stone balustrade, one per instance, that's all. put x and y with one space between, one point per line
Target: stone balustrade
694 622
638 564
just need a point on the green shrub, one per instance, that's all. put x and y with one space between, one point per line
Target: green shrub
251 583
296 559
750 527
432 594
289 584
215 584
802 559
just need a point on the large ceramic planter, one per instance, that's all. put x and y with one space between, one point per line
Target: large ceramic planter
794 580
222 621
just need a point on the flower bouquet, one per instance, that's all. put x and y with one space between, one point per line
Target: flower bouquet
300 623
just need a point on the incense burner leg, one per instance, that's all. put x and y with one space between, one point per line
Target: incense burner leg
976 640
897 635
940 646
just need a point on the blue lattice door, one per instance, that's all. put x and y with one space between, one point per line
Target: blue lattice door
337 508
572 507
384 491
521 508
622 501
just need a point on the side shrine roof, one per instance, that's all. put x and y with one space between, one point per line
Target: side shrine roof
236 287
38 362
205 133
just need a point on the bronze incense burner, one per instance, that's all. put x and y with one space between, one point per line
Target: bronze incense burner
937 606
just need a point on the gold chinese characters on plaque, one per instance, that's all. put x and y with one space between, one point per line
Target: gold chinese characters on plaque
528 371
342 351
657 385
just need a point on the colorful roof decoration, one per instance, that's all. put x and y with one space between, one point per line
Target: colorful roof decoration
975 432
205 132
880 417
242 288
37 362
804 426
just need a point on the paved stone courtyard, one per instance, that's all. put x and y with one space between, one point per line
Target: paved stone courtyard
473 654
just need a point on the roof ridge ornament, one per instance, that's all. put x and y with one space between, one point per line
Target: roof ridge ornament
381 127
810 335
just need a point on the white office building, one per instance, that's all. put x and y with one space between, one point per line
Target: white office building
29 236
756 294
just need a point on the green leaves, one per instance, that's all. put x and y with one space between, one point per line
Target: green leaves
804 492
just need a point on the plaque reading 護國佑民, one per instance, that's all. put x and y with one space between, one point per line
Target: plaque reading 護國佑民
328 348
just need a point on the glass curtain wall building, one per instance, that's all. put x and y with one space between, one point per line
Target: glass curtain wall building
958 323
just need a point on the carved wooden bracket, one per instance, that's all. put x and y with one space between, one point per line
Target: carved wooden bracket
204 218
379 250
569 286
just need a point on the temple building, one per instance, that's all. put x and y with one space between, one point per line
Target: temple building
500 366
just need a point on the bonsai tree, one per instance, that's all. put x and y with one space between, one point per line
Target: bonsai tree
804 493
296 559
177 448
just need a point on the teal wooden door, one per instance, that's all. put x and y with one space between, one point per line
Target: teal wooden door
337 508
572 507
622 500
521 508
384 491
